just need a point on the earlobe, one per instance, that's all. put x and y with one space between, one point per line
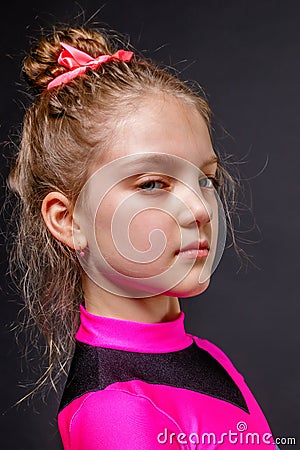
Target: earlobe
57 213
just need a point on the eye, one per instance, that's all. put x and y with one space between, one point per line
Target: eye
207 182
152 185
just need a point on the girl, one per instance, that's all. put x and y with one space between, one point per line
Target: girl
119 215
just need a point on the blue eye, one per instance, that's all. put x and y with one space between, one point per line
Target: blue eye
151 185
206 182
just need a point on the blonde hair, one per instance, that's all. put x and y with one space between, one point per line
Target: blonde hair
64 131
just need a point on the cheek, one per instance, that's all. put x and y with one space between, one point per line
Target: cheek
103 222
153 228
150 237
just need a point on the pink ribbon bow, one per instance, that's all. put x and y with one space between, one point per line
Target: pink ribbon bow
78 62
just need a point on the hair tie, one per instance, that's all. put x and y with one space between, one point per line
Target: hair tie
78 62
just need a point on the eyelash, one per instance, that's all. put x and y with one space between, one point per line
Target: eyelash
215 183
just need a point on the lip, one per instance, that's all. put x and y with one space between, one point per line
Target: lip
197 249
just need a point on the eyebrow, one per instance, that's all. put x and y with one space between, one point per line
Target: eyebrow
214 159
158 159
164 158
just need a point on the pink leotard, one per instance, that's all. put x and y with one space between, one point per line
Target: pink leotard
141 386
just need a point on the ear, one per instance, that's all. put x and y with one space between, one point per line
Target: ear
57 213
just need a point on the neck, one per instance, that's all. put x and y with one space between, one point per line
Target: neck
155 309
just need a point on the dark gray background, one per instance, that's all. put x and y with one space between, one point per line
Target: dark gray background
246 55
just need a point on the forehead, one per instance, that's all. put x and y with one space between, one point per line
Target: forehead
166 125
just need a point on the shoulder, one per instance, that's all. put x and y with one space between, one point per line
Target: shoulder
218 354
114 418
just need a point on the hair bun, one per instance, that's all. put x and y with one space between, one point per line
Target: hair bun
40 65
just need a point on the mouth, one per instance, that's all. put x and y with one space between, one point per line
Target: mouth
198 249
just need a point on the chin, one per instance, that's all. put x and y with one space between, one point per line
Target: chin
185 289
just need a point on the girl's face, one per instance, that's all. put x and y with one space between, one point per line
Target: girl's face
152 196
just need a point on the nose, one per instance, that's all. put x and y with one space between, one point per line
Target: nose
195 209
